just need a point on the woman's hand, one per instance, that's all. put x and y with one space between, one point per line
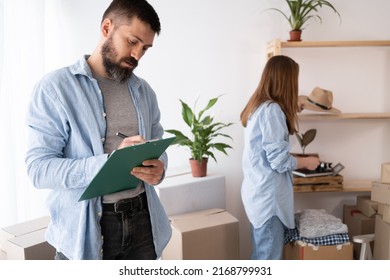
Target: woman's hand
310 163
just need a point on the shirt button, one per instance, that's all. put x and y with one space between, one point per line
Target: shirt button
99 214
103 139
104 114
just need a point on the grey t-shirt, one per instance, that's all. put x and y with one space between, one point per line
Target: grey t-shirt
121 116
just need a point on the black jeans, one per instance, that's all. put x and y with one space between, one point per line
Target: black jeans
128 235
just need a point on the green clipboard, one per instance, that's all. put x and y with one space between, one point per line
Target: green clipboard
114 176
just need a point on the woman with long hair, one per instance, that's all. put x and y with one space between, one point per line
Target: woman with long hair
269 117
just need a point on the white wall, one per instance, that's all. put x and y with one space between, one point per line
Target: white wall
213 47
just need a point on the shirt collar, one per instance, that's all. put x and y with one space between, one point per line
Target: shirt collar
81 67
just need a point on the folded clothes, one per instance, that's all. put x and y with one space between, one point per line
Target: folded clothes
291 235
314 223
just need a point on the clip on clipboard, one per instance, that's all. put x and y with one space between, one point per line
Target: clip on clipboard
114 176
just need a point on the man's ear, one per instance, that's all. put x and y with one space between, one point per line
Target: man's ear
106 27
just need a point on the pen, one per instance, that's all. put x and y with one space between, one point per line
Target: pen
121 135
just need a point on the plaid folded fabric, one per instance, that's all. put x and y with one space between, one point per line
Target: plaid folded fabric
291 235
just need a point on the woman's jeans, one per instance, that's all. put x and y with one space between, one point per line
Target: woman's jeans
268 240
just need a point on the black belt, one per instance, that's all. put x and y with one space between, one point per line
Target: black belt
127 204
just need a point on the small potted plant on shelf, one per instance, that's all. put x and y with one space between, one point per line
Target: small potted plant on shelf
204 130
304 139
301 11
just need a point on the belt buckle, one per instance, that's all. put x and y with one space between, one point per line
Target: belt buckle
130 203
118 204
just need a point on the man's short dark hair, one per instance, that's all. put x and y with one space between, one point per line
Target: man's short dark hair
122 11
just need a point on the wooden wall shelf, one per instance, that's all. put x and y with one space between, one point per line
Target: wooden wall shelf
343 116
349 186
320 44
275 46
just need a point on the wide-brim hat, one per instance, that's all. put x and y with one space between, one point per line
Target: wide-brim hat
319 100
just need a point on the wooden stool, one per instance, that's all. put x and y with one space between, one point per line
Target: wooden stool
365 250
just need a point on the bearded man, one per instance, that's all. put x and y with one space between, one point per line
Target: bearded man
73 119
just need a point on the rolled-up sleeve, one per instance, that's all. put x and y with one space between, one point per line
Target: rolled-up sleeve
275 141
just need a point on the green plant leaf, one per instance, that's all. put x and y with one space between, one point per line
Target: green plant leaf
309 136
221 147
306 138
299 137
180 139
188 115
209 105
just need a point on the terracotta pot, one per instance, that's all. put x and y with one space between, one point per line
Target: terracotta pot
295 35
199 169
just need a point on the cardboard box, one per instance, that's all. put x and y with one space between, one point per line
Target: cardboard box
381 208
367 206
204 235
386 213
185 194
30 246
382 239
385 173
19 229
380 192
358 224
298 251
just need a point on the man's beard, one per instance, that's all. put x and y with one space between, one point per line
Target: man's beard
113 69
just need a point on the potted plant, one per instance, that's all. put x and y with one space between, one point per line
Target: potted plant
204 130
304 139
301 11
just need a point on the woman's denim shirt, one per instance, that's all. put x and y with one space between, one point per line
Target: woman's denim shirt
66 131
267 166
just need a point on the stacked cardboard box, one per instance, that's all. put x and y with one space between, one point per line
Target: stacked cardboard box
358 222
210 234
385 173
380 192
26 241
300 251
366 206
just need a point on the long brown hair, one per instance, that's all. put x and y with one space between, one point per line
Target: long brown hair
279 84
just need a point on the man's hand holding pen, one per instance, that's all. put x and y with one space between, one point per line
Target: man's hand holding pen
130 140
152 170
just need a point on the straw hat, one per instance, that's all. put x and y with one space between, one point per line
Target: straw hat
319 100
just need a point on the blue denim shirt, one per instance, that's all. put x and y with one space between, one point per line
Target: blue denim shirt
66 130
267 166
